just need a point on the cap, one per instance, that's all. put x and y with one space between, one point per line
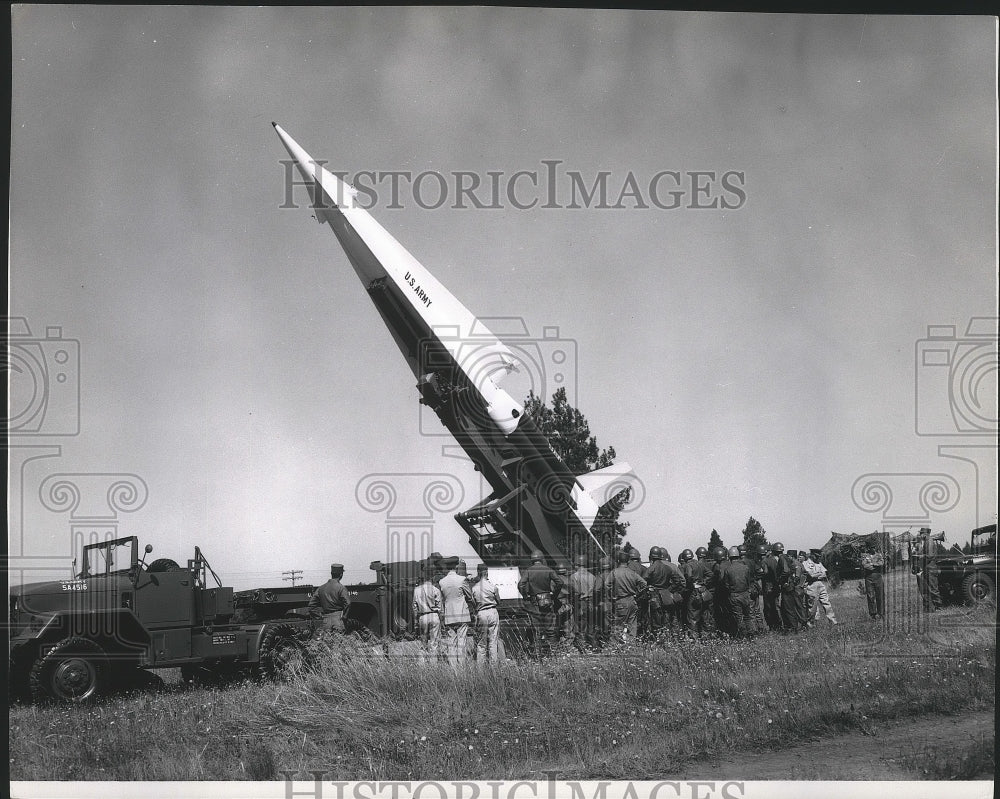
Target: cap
580 560
482 568
461 568
336 567
450 563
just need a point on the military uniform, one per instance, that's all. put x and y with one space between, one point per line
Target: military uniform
737 580
874 566
603 607
756 589
926 569
582 588
666 585
695 579
816 588
428 605
791 582
486 600
457 601
540 586
330 602
625 587
770 582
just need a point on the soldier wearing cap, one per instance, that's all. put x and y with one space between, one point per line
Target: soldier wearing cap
486 600
582 588
625 587
428 607
540 586
330 601
457 601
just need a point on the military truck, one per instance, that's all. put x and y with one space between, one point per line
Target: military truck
971 579
119 619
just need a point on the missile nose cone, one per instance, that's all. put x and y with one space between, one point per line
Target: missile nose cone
274 124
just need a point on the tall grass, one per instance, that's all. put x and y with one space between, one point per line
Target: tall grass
632 713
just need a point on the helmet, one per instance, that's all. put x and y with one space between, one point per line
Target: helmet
623 557
633 554
685 556
666 555
537 555
580 560
719 554
742 549
655 553
606 562
734 553
701 552
778 548
762 549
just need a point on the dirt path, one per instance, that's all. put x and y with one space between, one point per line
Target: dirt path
854 756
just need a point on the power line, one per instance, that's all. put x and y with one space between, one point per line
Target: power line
293 575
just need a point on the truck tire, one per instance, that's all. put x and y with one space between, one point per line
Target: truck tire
280 648
73 671
163 565
979 587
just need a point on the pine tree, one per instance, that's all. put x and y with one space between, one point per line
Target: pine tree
753 536
569 435
714 540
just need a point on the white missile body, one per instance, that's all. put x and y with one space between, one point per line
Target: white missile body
485 363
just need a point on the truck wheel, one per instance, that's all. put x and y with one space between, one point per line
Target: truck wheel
979 587
281 650
163 565
73 671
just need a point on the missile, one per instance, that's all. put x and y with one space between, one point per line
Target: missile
537 502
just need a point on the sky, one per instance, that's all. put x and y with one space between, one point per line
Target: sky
222 366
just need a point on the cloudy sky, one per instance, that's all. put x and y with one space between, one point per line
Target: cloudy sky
766 359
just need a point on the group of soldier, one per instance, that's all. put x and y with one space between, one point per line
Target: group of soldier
717 593
703 594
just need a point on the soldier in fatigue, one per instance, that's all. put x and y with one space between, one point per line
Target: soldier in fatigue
625 586
603 604
331 601
428 607
540 586
486 601
737 580
582 588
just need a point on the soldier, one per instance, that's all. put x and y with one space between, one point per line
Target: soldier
582 587
926 569
792 593
693 572
428 607
708 592
874 566
602 604
642 601
816 587
737 579
331 601
720 599
564 609
540 586
457 602
486 600
756 566
625 585
770 580
665 586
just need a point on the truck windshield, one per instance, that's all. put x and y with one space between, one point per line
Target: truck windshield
114 556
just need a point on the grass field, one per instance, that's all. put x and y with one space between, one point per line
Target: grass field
635 713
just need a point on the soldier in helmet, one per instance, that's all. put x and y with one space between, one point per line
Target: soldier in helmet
582 586
665 586
625 587
331 601
756 565
773 565
642 601
603 608
540 585
690 606
737 579
720 594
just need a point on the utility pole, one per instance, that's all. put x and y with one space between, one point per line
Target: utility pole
292 575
